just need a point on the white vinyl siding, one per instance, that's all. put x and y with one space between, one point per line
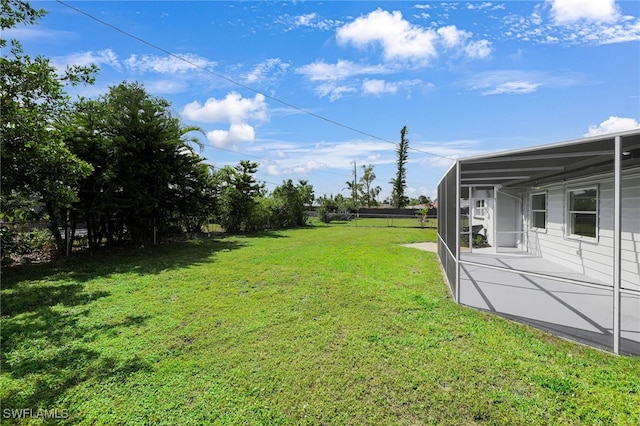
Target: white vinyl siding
591 256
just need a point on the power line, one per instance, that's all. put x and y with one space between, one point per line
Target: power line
244 86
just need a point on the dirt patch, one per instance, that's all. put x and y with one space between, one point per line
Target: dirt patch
432 247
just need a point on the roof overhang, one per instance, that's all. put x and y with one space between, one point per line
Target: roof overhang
546 164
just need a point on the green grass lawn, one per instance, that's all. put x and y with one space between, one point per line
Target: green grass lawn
323 325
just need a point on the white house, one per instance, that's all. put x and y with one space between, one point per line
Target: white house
562 223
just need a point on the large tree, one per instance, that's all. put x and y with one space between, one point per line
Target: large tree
399 183
146 171
354 188
36 163
291 203
367 191
238 196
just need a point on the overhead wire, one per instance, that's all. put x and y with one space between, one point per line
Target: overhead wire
244 86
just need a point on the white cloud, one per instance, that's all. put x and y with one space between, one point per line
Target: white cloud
613 124
334 91
264 69
485 5
620 33
404 46
314 21
506 82
342 69
167 64
516 82
311 20
299 168
569 11
377 87
41 35
306 20
401 40
308 167
478 6
166 86
100 57
293 158
574 22
237 133
233 109
452 37
513 88
135 63
478 49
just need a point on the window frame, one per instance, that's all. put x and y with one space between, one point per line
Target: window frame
532 226
479 212
570 231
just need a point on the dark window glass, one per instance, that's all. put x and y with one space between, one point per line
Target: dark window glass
584 200
539 211
584 224
583 212
539 202
539 220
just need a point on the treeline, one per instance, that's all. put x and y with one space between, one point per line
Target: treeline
121 164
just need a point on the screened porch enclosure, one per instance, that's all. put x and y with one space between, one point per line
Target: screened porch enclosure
549 236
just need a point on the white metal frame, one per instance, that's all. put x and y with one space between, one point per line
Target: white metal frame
617 155
617 242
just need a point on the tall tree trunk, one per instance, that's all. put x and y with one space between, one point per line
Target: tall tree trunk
54 227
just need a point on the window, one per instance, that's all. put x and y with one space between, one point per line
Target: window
583 212
478 210
539 211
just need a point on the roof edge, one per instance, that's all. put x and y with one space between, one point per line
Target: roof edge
570 142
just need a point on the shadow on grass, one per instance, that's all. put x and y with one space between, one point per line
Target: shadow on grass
46 327
46 353
143 261
267 234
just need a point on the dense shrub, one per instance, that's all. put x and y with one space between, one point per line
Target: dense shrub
335 208
19 243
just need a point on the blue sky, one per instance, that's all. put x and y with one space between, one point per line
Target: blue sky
307 89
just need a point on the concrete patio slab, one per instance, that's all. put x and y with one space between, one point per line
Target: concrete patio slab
573 305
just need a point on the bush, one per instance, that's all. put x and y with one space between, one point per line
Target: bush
479 241
7 244
338 208
24 243
261 217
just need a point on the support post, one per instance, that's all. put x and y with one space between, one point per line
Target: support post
617 242
458 193
472 203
